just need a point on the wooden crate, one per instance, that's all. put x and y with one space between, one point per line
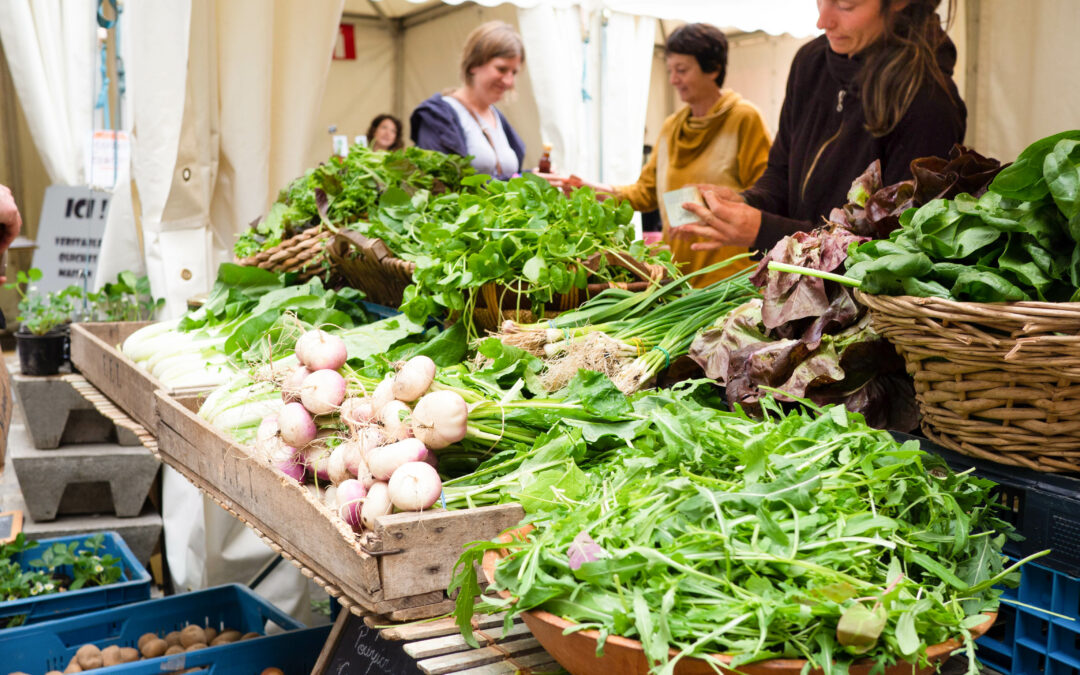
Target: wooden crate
401 570
95 351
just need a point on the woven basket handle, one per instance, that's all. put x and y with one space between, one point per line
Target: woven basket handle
346 242
636 267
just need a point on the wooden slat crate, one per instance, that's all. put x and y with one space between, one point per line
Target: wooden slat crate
401 570
432 648
95 352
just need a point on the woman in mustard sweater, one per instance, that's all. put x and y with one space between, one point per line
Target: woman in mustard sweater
718 138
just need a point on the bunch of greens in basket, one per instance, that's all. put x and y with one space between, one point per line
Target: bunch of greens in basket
344 190
1018 241
521 234
806 535
628 336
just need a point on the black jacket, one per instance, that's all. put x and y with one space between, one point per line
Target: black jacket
822 144
435 126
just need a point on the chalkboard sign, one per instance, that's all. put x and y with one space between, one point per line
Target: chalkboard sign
354 648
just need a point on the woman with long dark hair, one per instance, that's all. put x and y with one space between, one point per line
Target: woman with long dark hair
877 85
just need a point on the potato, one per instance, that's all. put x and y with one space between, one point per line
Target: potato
174 649
211 633
72 667
51 672
195 647
128 654
191 635
272 671
89 656
110 656
146 637
248 636
154 648
225 638
173 638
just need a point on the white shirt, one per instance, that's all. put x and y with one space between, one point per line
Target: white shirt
479 147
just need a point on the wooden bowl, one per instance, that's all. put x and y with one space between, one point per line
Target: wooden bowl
576 652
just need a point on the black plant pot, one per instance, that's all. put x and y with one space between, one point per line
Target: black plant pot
42 354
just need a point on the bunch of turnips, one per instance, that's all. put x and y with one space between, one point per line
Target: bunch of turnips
375 448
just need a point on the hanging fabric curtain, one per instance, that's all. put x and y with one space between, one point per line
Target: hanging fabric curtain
562 70
50 49
626 65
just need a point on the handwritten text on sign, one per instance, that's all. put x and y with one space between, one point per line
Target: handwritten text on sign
69 236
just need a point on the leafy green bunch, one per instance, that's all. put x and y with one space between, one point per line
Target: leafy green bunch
522 234
805 535
343 190
40 313
126 299
1018 241
61 567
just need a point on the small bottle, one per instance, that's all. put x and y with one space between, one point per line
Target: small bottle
544 165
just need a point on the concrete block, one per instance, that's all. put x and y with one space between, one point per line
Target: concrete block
81 478
141 532
56 414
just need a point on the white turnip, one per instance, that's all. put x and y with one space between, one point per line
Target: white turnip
377 503
317 458
415 486
337 466
440 418
350 501
414 378
383 394
357 411
385 459
432 459
290 386
294 466
323 391
319 350
297 427
328 495
392 418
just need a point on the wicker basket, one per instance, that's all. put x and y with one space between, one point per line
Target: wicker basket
996 381
368 265
303 253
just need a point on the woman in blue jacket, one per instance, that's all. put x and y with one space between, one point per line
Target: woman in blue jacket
464 121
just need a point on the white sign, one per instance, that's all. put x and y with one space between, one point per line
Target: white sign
109 150
69 236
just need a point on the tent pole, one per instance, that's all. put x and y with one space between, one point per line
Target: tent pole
397 34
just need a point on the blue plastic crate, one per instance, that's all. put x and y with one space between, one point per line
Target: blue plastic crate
379 311
1028 640
50 646
133 586
295 653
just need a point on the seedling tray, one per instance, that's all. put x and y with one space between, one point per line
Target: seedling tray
133 586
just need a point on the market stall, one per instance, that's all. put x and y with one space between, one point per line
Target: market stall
503 434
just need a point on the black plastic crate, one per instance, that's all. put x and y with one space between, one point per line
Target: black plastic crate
1043 507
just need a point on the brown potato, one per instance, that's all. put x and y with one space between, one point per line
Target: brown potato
196 646
110 656
128 654
211 633
272 671
146 637
51 672
174 649
191 635
89 656
154 648
173 638
248 636
225 638
73 667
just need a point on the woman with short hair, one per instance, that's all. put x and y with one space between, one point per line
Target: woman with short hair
464 121
719 138
876 86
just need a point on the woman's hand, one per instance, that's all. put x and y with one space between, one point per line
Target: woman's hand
726 221
10 222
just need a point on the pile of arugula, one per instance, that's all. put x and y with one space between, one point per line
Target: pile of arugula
522 234
345 189
1018 241
806 535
